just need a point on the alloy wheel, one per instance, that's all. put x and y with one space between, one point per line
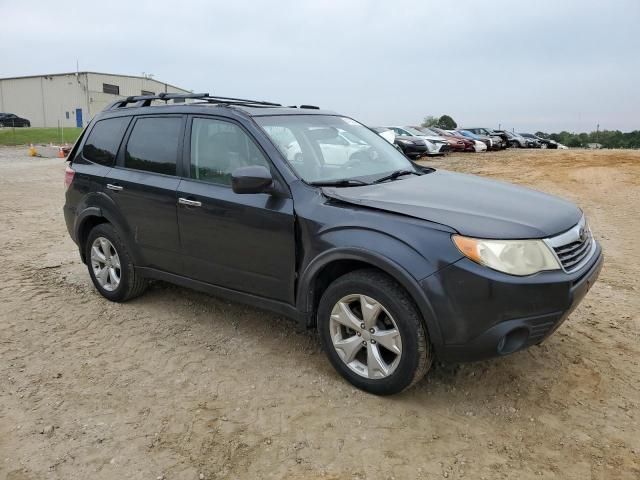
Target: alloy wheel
365 336
105 263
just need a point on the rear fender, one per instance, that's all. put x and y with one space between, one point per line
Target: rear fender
102 206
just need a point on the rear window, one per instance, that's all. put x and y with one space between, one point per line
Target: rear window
153 145
103 141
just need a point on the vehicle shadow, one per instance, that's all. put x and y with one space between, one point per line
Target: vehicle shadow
529 372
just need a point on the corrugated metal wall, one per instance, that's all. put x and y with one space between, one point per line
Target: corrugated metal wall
45 100
52 100
128 86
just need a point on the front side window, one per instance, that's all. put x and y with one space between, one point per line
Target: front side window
324 148
103 141
218 148
153 145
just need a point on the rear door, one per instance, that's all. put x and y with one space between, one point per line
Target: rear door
143 185
242 242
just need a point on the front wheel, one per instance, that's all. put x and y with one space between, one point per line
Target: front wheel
372 333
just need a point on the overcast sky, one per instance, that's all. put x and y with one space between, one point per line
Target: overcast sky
545 65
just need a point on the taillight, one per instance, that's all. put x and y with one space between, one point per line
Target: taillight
68 176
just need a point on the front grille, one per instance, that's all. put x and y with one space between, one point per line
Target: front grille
573 253
575 247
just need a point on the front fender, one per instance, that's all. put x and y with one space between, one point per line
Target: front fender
305 294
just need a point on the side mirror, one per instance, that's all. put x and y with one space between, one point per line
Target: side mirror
253 179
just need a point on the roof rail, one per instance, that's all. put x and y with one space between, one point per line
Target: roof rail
145 100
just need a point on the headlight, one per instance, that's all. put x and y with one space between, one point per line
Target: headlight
515 257
404 142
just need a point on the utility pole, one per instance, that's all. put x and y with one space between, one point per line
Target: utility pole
597 132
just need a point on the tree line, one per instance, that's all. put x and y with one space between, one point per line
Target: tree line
606 138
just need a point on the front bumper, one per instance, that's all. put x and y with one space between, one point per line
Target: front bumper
483 313
414 151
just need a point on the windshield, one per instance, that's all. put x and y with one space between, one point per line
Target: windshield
415 131
325 148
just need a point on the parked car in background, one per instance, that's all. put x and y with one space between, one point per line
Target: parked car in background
456 144
412 147
480 138
532 140
441 145
478 146
502 134
496 137
517 141
469 144
543 142
12 120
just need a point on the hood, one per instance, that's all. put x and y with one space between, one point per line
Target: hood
419 140
469 204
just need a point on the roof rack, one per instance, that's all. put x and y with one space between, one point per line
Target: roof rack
145 100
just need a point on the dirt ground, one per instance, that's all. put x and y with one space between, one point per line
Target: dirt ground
180 385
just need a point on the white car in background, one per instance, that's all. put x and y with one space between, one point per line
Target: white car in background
436 144
479 146
335 151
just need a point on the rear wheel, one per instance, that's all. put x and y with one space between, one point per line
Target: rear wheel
373 333
110 266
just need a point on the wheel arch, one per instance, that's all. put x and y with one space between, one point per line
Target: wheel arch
336 262
93 216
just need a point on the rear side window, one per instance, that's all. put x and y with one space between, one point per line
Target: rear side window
153 145
103 141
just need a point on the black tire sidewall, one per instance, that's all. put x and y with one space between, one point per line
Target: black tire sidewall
126 266
408 323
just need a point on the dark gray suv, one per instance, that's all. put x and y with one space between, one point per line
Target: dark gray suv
312 215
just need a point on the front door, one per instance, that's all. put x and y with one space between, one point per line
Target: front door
144 184
244 242
79 117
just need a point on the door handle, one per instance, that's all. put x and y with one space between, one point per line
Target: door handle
189 203
115 188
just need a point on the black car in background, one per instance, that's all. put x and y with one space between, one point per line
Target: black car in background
392 263
12 120
539 141
412 147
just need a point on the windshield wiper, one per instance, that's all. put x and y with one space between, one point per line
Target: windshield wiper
396 174
345 182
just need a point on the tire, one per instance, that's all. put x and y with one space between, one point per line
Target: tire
130 284
397 313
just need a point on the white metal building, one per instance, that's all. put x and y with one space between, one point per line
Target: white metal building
71 99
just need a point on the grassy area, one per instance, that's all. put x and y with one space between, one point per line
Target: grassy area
25 136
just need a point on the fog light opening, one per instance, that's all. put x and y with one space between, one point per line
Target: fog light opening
512 341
